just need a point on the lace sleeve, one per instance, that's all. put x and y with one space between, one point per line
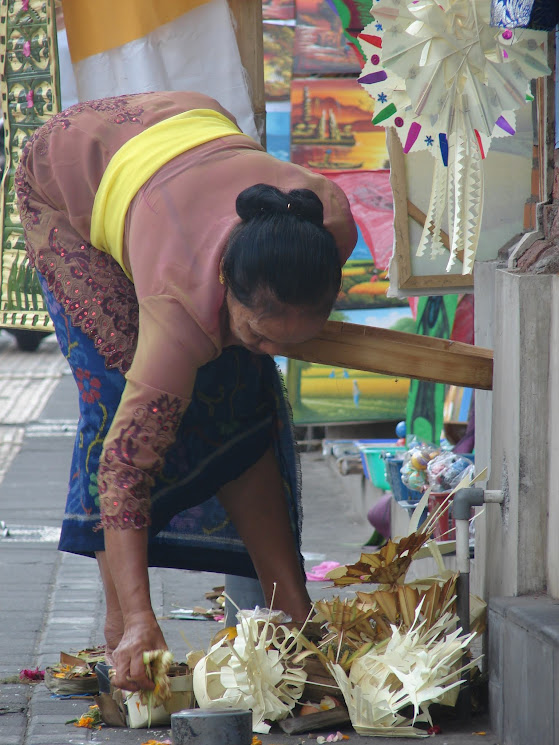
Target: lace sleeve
171 348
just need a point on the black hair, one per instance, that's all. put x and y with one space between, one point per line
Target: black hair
281 251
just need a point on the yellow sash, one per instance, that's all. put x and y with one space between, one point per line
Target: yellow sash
137 160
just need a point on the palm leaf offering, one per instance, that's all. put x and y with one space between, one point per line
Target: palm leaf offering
384 651
414 667
398 607
385 567
259 669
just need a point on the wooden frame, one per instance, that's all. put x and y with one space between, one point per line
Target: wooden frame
403 211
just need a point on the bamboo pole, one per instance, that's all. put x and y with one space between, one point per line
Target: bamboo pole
398 354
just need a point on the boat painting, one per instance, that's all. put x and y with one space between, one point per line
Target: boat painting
331 129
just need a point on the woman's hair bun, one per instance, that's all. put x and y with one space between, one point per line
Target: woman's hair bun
263 199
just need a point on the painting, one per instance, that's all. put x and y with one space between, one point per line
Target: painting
278 60
278 10
370 197
278 129
321 46
331 128
322 394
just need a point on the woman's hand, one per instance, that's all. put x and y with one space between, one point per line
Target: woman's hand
141 634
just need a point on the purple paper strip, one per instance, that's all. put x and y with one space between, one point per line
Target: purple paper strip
373 77
504 125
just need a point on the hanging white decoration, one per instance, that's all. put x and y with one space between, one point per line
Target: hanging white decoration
448 82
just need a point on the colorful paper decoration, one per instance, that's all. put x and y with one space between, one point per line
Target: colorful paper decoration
354 14
448 82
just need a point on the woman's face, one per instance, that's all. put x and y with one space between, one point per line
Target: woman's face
266 332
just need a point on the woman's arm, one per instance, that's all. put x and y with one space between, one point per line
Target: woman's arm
126 553
171 348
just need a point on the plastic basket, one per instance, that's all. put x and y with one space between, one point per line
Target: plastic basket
400 491
372 459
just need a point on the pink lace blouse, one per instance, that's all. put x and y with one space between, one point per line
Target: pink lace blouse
176 230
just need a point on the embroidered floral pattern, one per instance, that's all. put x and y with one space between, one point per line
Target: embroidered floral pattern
89 284
123 489
95 293
118 111
124 497
88 387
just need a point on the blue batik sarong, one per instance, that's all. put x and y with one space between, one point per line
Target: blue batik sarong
238 411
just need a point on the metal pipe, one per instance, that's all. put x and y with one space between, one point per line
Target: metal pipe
462 504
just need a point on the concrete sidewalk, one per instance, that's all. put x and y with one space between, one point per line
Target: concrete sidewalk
51 601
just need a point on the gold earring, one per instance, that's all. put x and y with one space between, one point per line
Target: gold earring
221 277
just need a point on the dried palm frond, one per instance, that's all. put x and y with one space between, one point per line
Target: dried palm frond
348 630
346 618
385 567
399 605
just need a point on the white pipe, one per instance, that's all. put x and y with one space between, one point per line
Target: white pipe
462 546
493 496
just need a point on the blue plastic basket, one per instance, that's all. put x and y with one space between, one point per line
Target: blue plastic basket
400 491
373 455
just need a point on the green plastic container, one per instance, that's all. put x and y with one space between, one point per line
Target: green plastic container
374 465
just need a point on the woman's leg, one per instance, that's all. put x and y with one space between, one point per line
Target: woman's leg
256 504
114 622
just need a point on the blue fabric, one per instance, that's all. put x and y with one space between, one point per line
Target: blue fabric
238 409
542 15
511 13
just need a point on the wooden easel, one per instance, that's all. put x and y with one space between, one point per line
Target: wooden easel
349 345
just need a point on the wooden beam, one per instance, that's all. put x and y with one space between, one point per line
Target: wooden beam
398 354
248 30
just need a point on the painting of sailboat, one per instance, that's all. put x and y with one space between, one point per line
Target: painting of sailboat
331 126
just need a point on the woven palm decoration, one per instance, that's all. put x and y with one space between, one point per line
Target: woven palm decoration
30 92
448 83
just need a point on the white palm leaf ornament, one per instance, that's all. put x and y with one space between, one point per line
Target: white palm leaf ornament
256 670
448 82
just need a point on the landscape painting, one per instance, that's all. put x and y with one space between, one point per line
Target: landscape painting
278 60
323 394
278 10
331 127
321 46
